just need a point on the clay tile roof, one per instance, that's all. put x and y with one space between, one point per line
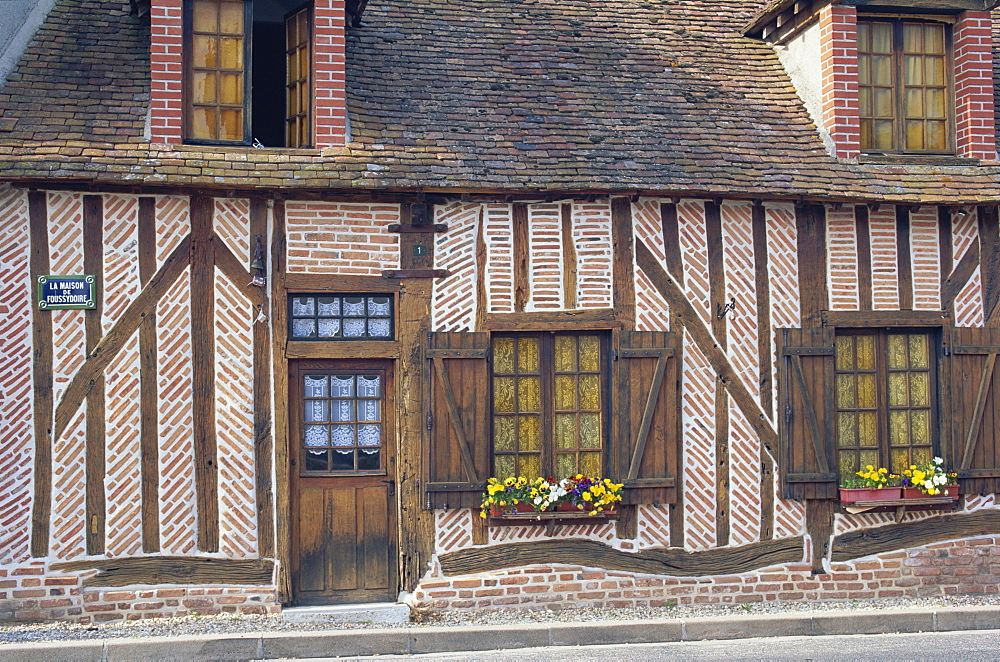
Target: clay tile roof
658 96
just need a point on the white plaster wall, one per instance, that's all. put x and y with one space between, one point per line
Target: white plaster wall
801 58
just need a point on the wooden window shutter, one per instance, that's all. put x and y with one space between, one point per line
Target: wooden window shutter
972 409
805 411
458 461
645 416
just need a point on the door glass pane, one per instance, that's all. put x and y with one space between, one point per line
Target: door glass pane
565 354
369 459
315 410
369 435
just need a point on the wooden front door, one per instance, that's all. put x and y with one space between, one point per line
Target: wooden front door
343 489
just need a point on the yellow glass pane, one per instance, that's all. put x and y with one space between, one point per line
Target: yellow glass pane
291 32
882 70
231 55
934 106
503 395
231 90
920 389
203 87
528 398
864 71
936 135
867 140
914 103
918 350
590 430
881 37
934 39
846 396
866 390
882 134
204 15
867 428
934 68
231 17
565 354
292 69
883 103
868 457
504 465
897 352
913 38
565 464
204 51
231 124
913 71
899 460
915 135
866 352
565 431
529 433
203 122
503 433
529 465
503 355
920 455
846 428
845 353
899 428
565 392
590 464
897 389
920 426
590 353
527 355
846 464
590 391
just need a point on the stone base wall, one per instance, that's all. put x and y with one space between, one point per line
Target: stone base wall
29 593
952 568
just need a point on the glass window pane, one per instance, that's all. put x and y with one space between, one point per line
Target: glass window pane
368 410
343 411
565 431
328 328
203 122
328 306
504 466
317 435
231 16
316 460
354 306
369 435
503 433
565 392
867 428
342 435
590 464
590 391
529 433
881 36
527 355
935 134
342 460
342 386
205 15
918 350
303 328
846 428
866 352
845 353
231 124
882 134
303 306
866 391
565 354
528 396
565 464
315 410
369 386
897 390
379 306
503 355
354 328
898 358
369 459
920 389
231 54
845 392
590 353
590 431
530 465
503 395
847 464
899 428
316 386
920 426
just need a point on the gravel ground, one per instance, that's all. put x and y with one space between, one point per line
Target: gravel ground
230 624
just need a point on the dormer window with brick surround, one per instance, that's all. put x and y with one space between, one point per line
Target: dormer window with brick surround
240 72
910 84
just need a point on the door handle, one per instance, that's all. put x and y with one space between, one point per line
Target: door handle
392 486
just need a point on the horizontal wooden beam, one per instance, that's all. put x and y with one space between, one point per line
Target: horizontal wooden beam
172 570
339 283
354 349
866 542
586 319
658 561
877 318
415 229
416 273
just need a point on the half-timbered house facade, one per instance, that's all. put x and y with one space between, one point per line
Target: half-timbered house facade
351 259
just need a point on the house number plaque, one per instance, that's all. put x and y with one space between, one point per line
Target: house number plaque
67 292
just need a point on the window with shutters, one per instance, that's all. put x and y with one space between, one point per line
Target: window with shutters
904 92
248 72
885 409
548 404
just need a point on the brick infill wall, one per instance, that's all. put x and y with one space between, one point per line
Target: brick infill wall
952 568
28 593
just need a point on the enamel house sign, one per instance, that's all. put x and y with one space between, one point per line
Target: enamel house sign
67 292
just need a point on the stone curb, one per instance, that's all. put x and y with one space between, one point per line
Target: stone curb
412 641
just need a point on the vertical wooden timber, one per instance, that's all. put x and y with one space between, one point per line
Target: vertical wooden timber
819 526
94 465
149 448
904 265
522 256
945 248
263 441
810 222
675 267
279 325
416 523
989 264
717 295
482 260
203 380
569 258
623 274
765 358
864 257
41 337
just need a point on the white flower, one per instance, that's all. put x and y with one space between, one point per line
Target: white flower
938 460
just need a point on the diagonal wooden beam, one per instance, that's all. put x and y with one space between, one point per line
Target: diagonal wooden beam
233 269
959 277
980 408
87 376
456 420
705 342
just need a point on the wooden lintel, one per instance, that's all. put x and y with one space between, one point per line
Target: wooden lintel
295 282
880 318
416 273
317 349
586 319
413 229
172 570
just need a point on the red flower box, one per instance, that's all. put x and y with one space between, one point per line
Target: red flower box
519 507
853 495
916 493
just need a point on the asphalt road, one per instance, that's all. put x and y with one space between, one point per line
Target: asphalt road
960 646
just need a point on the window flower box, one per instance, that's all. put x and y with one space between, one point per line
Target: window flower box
853 495
949 491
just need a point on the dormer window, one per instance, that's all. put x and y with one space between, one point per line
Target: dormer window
904 98
248 72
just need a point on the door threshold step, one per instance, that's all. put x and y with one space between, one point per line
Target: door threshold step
370 612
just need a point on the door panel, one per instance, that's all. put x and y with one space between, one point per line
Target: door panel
343 520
